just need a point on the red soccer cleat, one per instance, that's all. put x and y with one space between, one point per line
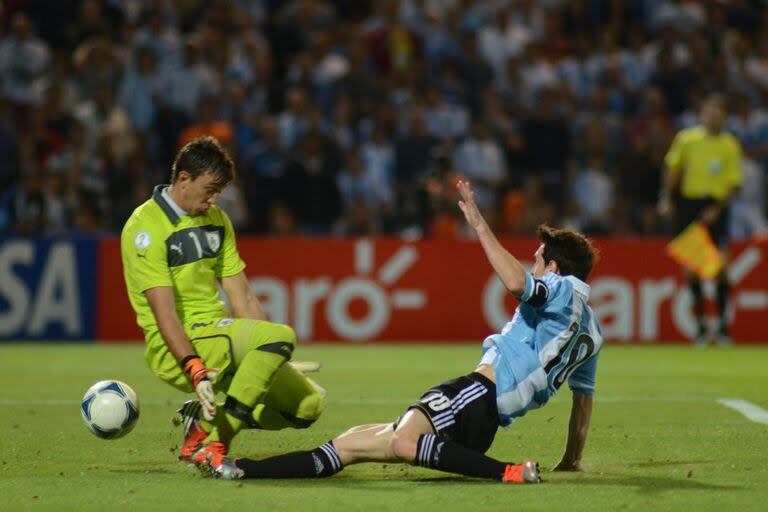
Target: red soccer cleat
193 441
525 473
210 455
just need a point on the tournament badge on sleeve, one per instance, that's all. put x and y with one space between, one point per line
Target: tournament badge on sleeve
694 249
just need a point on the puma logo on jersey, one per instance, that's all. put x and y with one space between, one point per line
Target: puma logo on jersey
177 248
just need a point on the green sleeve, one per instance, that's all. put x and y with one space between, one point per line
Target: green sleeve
229 262
145 258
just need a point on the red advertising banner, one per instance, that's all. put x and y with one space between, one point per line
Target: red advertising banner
387 289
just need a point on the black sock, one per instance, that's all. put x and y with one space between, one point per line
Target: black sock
320 462
723 288
437 453
698 302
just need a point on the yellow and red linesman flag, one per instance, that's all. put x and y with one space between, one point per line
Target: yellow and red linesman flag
694 249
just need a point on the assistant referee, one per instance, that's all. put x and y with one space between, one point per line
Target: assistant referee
703 175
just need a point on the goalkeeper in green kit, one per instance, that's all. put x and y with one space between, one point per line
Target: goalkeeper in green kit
175 248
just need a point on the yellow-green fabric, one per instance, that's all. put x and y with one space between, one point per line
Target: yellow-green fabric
293 401
187 253
711 164
221 344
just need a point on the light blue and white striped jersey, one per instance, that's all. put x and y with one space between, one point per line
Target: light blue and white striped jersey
553 337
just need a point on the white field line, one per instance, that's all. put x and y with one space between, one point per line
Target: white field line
358 401
751 411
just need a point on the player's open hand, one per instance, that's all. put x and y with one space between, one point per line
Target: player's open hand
201 378
468 206
207 397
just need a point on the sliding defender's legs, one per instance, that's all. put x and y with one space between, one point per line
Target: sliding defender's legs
449 429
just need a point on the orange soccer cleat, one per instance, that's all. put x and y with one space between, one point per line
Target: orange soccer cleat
525 473
210 455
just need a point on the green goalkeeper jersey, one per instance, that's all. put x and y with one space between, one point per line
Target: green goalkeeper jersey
160 247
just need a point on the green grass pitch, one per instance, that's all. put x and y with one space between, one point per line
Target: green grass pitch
659 439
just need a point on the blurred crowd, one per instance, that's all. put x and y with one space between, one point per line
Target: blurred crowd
356 117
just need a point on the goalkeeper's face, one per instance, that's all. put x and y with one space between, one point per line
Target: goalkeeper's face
200 193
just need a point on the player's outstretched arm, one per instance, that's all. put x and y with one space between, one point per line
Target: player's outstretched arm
670 184
242 300
163 306
674 162
507 267
581 413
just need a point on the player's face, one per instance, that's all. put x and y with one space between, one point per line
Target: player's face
538 262
713 116
200 193
541 267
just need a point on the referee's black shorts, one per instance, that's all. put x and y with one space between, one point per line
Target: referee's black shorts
689 210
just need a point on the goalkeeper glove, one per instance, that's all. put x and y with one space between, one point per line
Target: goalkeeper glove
199 375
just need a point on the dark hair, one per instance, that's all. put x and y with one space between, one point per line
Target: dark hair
202 155
572 251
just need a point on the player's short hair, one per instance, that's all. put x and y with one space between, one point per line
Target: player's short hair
202 155
573 252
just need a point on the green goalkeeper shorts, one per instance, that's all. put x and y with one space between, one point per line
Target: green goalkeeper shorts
221 344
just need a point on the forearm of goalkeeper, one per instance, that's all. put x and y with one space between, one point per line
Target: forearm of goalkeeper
163 306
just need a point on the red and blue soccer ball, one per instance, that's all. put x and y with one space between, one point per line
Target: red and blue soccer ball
110 409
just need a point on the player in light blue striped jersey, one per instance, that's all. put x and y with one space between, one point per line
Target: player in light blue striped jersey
552 338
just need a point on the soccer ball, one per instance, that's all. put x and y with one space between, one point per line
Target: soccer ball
110 409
